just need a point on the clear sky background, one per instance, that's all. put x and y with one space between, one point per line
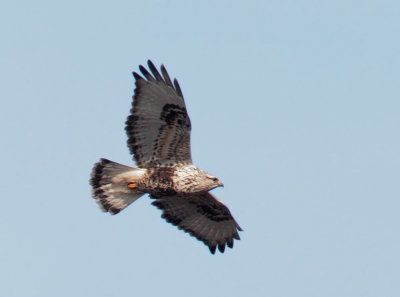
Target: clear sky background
295 106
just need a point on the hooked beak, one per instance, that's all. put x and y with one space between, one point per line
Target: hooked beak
220 184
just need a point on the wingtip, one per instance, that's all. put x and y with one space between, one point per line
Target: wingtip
230 242
142 69
165 74
155 72
212 248
150 63
146 73
136 75
178 88
236 236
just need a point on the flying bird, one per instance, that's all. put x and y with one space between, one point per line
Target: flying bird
158 130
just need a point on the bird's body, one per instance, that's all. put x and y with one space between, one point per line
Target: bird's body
159 138
181 180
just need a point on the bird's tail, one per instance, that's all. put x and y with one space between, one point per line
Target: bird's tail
113 185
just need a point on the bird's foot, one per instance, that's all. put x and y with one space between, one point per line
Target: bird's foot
132 186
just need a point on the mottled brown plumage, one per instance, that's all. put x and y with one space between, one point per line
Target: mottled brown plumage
158 130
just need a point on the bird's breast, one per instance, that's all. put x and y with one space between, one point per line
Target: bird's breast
169 180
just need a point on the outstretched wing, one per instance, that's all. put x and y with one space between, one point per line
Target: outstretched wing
203 217
159 127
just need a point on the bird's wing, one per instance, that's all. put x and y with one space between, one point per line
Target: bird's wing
203 217
158 127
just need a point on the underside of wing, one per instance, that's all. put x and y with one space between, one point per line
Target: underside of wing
158 127
203 217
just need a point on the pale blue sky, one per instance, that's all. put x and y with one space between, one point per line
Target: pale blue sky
295 106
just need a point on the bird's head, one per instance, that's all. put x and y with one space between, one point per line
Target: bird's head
214 180
200 181
211 182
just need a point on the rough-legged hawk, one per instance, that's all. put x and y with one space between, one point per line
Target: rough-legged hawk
159 138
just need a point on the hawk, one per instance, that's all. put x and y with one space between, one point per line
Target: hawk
158 129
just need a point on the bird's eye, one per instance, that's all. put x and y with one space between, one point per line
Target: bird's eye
213 178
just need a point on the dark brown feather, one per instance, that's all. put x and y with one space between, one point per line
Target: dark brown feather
163 138
146 73
166 76
154 70
215 217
